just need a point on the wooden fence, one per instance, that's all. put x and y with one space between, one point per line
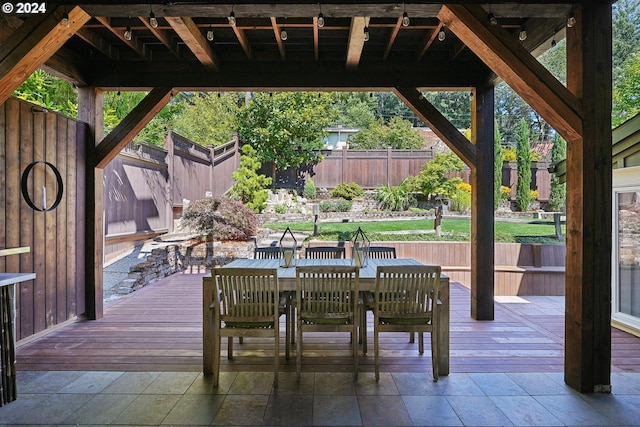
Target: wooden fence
30 135
146 186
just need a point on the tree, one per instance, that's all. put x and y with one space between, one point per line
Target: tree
497 165
626 33
208 118
50 92
286 128
558 195
398 135
626 96
523 187
432 181
250 187
354 109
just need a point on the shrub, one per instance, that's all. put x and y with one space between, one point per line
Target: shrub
222 218
280 209
463 186
505 193
523 186
339 206
394 198
461 200
348 191
309 190
509 154
249 186
534 194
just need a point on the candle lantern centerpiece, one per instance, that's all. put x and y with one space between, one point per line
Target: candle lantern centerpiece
288 249
360 248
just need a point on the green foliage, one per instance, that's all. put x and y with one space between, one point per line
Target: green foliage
222 218
50 92
394 198
250 187
341 205
461 199
497 166
208 118
454 105
348 191
280 209
626 33
398 134
433 181
626 96
286 128
355 109
309 190
523 194
558 194
509 154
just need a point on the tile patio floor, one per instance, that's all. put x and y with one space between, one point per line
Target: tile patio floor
319 399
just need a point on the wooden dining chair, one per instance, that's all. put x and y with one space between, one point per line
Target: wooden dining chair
406 300
382 252
246 305
327 301
266 252
324 252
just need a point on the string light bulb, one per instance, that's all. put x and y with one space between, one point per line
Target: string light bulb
571 20
128 33
366 33
65 20
492 19
405 19
284 35
442 35
232 18
210 34
553 41
320 20
522 35
152 18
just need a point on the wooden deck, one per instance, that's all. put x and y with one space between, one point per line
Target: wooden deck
159 328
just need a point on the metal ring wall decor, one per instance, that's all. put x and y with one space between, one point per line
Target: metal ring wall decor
25 191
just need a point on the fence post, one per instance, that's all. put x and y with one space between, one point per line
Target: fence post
169 145
212 172
344 164
389 166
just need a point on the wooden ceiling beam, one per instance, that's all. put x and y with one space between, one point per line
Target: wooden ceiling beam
33 43
392 38
243 40
276 33
189 32
515 65
356 41
439 124
163 36
98 43
316 39
134 43
427 41
130 126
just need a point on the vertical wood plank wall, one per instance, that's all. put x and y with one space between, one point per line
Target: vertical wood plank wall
28 134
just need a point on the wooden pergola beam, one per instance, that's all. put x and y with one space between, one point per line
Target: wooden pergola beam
427 41
33 43
130 126
392 38
190 34
276 34
356 41
514 64
161 35
134 43
442 127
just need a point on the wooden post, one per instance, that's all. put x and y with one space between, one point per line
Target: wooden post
482 197
91 111
589 204
169 146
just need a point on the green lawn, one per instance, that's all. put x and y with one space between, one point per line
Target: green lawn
452 230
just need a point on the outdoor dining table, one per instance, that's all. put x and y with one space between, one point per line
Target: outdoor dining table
287 282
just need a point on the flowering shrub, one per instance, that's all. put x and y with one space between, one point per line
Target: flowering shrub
534 194
221 218
505 193
463 186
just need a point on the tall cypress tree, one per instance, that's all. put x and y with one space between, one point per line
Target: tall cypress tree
497 164
558 195
523 188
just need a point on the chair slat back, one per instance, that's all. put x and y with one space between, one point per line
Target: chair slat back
327 292
407 291
247 295
324 252
382 252
267 252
